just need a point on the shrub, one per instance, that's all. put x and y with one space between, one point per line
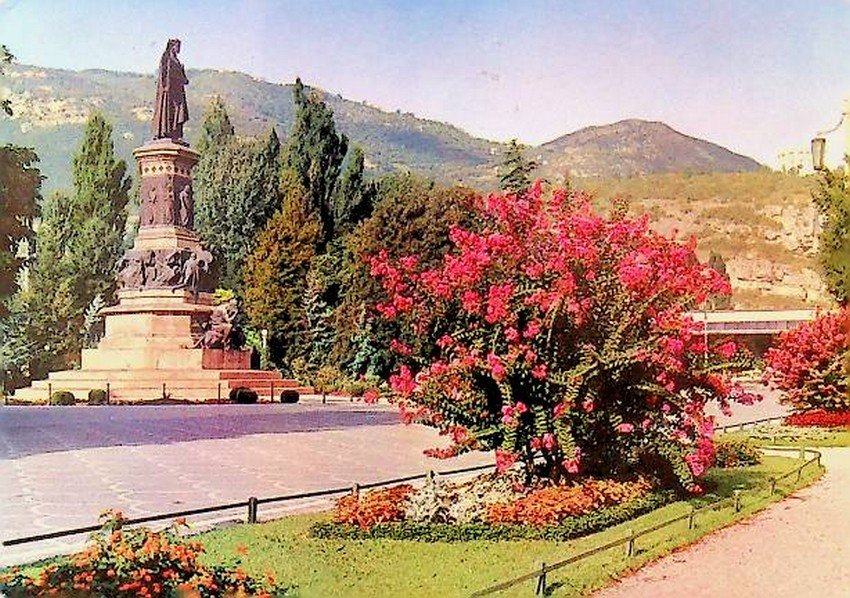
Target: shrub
124 563
465 532
98 396
807 364
243 396
289 395
357 388
551 332
62 397
736 453
328 379
375 506
820 419
554 504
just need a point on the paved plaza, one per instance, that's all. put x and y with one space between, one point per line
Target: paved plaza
61 466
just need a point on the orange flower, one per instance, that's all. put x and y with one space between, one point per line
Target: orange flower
242 549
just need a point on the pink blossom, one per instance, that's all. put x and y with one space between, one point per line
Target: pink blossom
505 460
587 405
625 428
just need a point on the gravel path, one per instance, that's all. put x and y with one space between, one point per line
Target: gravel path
797 548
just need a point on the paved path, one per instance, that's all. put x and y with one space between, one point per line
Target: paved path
59 467
798 548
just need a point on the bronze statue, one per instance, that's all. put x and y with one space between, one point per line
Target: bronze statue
171 110
185 213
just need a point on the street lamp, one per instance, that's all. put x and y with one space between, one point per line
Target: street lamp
818 150
819 144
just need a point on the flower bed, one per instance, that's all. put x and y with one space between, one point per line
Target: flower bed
124 562
567 529
819 418
453 511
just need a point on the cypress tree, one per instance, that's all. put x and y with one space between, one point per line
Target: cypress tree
99 213
315 152
216 128
355 196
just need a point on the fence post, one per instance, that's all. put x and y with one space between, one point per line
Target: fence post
630 545
49 392
355 489
163 391
218 396
252 509
799 474
772 485
271 391
429 477
541 581
691 516
737 500
802 454
108 393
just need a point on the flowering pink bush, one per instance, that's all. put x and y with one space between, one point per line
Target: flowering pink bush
807 364
551 333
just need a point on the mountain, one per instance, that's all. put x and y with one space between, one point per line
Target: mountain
632 148
51 106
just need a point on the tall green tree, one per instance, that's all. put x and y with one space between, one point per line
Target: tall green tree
316 152
276 270
53 309
355 196
20 194
832 198
79 241
216 128
515 169
99 215
412 216
236 191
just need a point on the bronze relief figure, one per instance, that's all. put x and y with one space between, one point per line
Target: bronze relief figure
171 109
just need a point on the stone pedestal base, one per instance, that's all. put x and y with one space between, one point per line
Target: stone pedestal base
150 349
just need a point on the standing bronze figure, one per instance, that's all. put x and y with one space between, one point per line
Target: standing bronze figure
171 109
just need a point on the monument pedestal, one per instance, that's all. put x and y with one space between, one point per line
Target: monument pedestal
164 339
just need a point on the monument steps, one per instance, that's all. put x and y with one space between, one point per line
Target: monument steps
147 385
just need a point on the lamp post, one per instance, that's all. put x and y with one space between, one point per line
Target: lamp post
819 142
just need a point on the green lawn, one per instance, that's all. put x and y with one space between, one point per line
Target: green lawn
405 568
778 435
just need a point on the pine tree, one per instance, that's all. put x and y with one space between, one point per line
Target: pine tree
315 152
20 193
515 169
275 273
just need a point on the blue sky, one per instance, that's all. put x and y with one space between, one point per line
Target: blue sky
754 75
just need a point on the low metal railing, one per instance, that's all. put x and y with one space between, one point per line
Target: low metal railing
629 541
251 504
